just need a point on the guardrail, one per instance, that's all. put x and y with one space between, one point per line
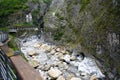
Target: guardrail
23 70
6 68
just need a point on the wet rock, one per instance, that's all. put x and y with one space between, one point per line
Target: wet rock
60 78
54 72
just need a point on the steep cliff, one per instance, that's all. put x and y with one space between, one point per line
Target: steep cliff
92 26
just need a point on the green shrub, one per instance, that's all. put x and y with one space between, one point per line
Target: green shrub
59 16
47 1
12 44
58 36
84 3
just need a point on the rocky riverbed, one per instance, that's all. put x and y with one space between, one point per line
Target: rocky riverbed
57 63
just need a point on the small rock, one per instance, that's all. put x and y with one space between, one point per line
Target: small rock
93 77
72 58
54 72
42 75
37 45
45 47
57 53
63 65
67 52
46 67
60 78
110 75
33 63
63 50
84 75
75 78
52 51
32 53
61 57
67 58
58 49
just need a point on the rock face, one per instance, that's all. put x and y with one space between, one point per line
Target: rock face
87 25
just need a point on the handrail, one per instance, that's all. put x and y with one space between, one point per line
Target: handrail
5 67
23 69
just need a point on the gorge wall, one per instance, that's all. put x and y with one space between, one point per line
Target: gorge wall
91 26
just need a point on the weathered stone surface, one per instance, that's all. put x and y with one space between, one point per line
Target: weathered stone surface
58 49
93 77
75 78
67 58
37 45
45 47
54 72
52 51
33 63
32 53
60 78
46 67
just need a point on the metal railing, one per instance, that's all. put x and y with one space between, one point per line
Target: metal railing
6 70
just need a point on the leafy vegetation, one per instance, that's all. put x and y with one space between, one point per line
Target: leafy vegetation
47 1
58 35
84 3
59 16
8 7
12 43
25 24
35 15
3 29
